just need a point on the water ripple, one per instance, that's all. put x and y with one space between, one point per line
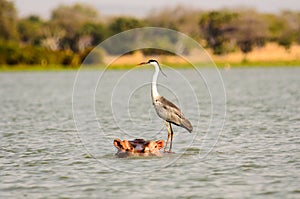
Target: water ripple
258 153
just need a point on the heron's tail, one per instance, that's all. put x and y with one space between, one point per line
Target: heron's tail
185 123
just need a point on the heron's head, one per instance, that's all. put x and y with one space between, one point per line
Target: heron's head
154 63
150 61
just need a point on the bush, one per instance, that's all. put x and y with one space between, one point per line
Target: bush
93 56
8 53
13 54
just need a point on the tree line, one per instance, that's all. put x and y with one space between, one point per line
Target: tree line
73 30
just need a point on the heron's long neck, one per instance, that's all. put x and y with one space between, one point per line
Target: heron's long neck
154 91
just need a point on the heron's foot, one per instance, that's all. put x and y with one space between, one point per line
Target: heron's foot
165 151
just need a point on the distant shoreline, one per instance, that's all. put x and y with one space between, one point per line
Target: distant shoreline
220 65
270 55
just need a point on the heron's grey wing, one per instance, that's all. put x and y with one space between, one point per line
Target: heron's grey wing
169 104
174 114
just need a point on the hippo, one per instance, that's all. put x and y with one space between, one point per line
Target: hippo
138 147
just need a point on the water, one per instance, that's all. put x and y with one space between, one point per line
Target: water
45 155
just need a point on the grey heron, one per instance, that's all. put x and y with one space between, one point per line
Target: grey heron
165 109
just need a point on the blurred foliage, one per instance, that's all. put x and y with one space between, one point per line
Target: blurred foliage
250 30
290 33
71 20
13 54
121 24
30 30
8 21
93 56
216 28
72 32
122 43
178 18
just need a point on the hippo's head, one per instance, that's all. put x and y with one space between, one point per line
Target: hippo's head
138 147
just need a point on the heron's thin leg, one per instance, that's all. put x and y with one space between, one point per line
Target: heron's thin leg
170 149
169 134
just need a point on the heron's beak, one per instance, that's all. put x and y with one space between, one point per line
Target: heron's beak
143 63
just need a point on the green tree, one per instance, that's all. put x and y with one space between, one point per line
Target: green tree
287 37
121 24
8 21
275 24
161 18
183 19
290 33
30 30
251 30
121 44
97 31
71 19
215 28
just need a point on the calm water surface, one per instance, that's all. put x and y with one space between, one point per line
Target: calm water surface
51 148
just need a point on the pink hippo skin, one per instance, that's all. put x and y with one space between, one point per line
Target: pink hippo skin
138 147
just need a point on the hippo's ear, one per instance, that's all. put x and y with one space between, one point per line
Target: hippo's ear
160 144
118 143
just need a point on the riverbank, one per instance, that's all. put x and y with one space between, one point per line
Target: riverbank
221 65
270 55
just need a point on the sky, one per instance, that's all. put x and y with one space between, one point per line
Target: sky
141 8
